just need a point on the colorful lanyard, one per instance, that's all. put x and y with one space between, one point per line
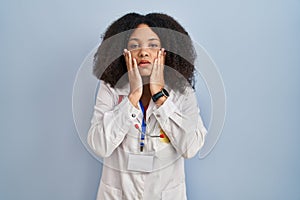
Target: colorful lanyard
143 132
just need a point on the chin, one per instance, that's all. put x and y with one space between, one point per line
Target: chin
145 72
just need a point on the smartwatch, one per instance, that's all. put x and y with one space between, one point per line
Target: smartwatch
163 92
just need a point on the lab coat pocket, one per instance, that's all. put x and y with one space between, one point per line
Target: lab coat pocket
107 192
176 193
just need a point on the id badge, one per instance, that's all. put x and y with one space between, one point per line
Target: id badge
140 162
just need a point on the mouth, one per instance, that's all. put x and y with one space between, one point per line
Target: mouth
144 63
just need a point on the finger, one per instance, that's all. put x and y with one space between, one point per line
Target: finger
155 78
158 56
134 63
163 55
154 68
128 59
124 52
134 71
161 59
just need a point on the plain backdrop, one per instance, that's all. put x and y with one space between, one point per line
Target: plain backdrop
255 45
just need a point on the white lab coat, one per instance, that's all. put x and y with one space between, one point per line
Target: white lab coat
113 136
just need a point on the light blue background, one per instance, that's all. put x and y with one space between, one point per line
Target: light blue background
255 44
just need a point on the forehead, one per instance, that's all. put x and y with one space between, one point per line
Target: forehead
144 32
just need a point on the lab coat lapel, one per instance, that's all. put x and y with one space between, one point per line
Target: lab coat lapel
150 109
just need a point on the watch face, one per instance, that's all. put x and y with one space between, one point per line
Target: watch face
165 92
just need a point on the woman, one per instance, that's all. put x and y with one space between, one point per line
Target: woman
146 119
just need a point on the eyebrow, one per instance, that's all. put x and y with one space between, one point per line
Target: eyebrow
136 39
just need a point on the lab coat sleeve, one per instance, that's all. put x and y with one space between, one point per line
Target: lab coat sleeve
110 122
182 123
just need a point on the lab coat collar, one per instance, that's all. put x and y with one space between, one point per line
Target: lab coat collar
125 89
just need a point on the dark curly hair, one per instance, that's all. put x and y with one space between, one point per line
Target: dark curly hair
109 62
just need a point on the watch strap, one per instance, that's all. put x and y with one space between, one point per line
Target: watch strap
161 93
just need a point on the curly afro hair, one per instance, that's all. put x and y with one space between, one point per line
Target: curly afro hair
109 62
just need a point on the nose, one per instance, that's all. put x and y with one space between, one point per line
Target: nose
143 52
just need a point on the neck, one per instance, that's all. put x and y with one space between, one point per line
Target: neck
146 96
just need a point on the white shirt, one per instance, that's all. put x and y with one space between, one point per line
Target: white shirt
113 136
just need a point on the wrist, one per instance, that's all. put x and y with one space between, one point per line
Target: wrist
161 101
160 96
133 100
155 89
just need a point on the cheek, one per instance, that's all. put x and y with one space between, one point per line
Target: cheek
134 54
154 53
